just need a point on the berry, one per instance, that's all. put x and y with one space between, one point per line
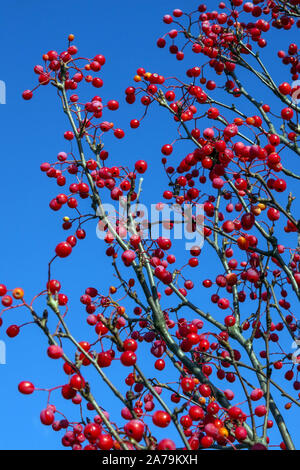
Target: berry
63 249
161 419
141 166
55 352
26 387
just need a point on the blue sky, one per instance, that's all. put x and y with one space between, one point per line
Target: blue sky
126 33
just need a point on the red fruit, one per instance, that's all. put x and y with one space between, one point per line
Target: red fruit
247 221
80 234
128 358
130 345
47 416
62 299
230 321
166 444
92 431
3 290
223 303
287 114
240 433
63 249
54 286
252 275
135 429
206 442
285 88
211 85
279 185
104 359
205 390
83 188
164 243
196 413
91 291
27 95
113 105
204 345
167 149
235 412
105 442
273 214
77 382
260 410
159 364
26 388
55 352
230 131
228 226
241 184
12 331
6 300
167 19
97 82
100 58
170 95
213 113
119 133
256 394
213 408
141 166
134 123
128 256
161 419
68 135
68 392
187 384
207 162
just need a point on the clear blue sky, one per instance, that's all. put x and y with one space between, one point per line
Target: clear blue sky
126 33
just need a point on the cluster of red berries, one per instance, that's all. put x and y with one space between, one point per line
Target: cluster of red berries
236 178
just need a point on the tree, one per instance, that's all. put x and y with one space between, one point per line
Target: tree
230 191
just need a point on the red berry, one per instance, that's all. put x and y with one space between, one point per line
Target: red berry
166 444
205 390
69 135
3 290
47 416
92 431
285 88
128 256
287 114
6 300
77 382
130 345
161 419
63 249
54 352
167 149
135 429
240 433
27 95
26 387
113 105
141 166
119 133
134 123
12 331
54 286
206 441
128 358
105 442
